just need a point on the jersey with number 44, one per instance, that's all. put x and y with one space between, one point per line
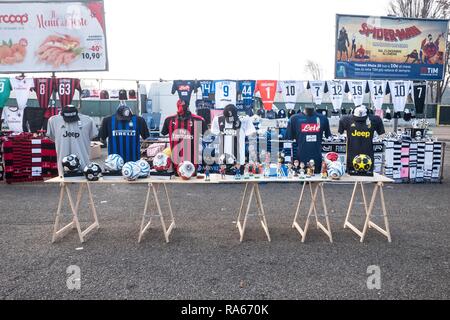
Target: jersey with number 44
226 93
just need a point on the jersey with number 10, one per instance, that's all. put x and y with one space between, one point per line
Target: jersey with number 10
226 93
268 90
290 90
399 91
66 90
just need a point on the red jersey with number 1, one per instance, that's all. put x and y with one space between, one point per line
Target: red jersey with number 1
66 90
268 90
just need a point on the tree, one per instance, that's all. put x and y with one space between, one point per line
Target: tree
434 9
314 69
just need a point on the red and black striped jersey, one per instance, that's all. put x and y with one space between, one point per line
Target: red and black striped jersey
185 134
44 88
66 90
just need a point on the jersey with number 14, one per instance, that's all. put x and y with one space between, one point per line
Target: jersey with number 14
377 89
66 90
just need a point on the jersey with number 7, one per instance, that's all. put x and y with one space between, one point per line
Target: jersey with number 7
268 90
66 90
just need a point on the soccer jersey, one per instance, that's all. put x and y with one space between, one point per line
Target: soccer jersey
12 118
207 87
226 93
336 89
72 138
66 90
5 91
356 89
290 91
420 94
184 89
34 119
44 88
21 88
185 136
317 89
360 134
309 131
232 136
124 136
247 92
203 109
267 90
399 91
377 89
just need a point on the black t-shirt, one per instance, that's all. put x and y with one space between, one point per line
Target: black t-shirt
34 120
185 89
360 134
420 93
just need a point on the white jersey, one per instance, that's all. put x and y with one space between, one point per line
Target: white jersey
22 90
399 92
317 89
12 118
377 92
226 93
290 91
336 90
357 89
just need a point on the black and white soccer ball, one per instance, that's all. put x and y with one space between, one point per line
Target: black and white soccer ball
71 163
131 171
93 172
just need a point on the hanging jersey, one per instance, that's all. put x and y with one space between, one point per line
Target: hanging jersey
184 89
124 136
66 90
34 119
12 118
356 89
5 91
226 93
308 131
246 90
232 136
185 136
290 91
377 89
336 89
207 87
44 88
317 89
21 88
399 91
267 90
420 94
360 134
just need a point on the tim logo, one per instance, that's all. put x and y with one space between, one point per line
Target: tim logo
429 71
310 128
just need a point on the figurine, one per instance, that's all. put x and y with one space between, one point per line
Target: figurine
280 173
208 173
302 171
222 171
296 168
237 172
310 171
324 172
290 171
247 172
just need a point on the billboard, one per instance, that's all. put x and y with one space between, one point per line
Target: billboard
390 48
52 37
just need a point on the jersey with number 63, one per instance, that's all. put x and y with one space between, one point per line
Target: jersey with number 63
66 90
226 93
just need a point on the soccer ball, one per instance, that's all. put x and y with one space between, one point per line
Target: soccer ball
332 156
144 167
71 163
114 162
335 170
362 163
162 162
93 172
186 170
131 171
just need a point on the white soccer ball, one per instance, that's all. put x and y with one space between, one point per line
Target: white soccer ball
186 170
114 162
144 167
131 171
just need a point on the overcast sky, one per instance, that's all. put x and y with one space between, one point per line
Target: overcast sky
179 39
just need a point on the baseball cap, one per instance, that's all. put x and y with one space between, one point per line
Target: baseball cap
70 114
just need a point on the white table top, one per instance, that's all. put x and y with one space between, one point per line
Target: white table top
217 179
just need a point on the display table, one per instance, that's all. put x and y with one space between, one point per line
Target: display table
251 192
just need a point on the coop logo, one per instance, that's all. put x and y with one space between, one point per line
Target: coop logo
22 19
310 128
429 71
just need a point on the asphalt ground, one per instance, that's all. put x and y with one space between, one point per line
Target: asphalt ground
205 259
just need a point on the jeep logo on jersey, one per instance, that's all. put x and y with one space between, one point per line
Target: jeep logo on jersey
182 134
68 134
362 134
124 133
310 128
230 132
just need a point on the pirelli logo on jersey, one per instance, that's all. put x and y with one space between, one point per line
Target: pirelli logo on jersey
361 134
124 133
